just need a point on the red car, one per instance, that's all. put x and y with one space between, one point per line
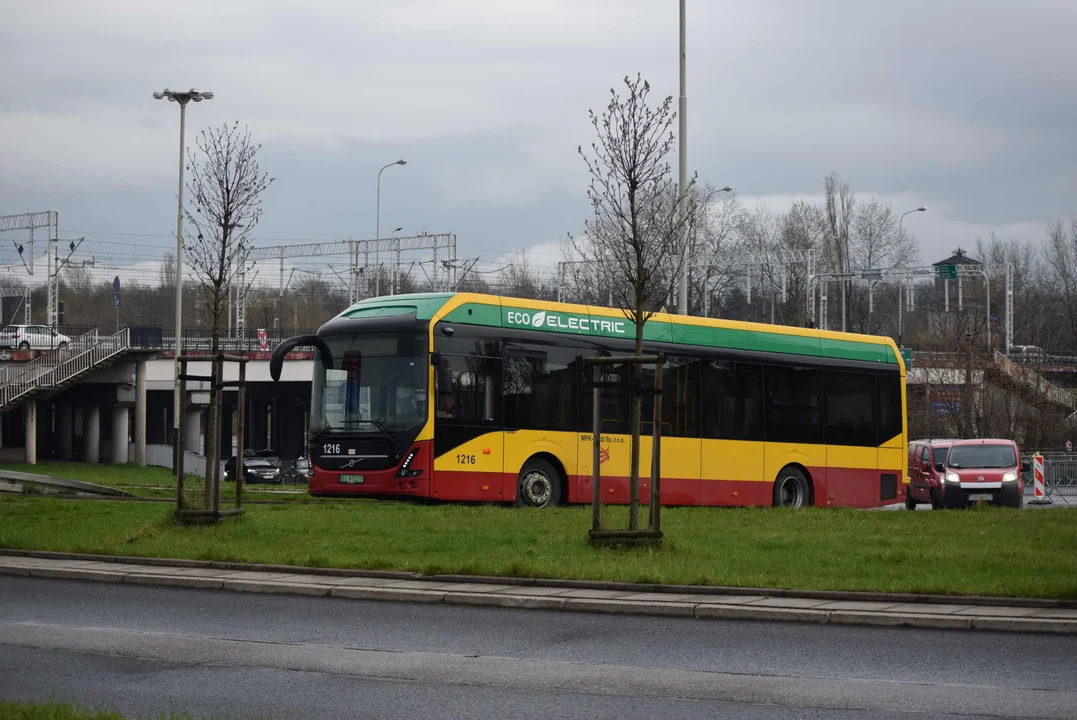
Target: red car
955 473
927 466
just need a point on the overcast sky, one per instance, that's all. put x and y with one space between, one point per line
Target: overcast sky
966 106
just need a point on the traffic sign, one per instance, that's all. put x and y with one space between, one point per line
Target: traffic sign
947 272
115 299
116 284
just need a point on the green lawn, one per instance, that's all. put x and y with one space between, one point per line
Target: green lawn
982 551
10 710
151 482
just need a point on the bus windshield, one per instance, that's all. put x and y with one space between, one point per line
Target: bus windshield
372 381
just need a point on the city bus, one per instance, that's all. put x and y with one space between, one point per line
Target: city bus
469 397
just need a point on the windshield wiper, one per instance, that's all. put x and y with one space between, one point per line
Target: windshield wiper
376 423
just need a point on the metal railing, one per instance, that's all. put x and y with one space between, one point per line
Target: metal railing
1059 474
201 339
71 362
10 373
1032 379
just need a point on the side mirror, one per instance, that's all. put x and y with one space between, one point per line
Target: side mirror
1026 466
925 467
939 467
276 362
435 359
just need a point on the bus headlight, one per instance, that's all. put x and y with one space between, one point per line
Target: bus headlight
406 470
953 477
1011 476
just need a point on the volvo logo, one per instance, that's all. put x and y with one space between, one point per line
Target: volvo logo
351 463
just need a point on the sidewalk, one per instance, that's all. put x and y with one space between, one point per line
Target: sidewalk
1016 615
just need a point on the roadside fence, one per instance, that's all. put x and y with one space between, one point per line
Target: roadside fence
1059 475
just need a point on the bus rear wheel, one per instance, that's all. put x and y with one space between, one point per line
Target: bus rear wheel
791 489
538 485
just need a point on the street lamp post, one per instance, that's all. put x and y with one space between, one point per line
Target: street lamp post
900 327
682 178
377 231
182 98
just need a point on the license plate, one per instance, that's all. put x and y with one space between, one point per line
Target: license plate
351 479
973 497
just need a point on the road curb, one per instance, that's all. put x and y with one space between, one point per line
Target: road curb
828 595
623 607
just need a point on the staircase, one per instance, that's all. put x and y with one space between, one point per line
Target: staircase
1031 386
61 367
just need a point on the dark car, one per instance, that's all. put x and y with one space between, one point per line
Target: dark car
255 470
297 471
266 454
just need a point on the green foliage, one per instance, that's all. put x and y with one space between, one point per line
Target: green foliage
989 551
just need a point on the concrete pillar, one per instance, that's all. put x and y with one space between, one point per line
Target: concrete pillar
30 415
192 430
91 426
120 433
140 413
67 431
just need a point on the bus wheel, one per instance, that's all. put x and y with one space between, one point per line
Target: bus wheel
791 489
539 485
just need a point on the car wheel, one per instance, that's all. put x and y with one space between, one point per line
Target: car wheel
24 345
910 501
936 504
538 485
791 489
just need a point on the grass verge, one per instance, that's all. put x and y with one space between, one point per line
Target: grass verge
983 551
13 710
152 482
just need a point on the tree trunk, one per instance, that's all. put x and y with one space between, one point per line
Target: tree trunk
633 479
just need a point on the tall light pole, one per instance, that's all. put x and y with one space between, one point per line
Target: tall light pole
900 327
682 180
182 98
377 231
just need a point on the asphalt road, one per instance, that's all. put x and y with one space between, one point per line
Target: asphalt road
147 650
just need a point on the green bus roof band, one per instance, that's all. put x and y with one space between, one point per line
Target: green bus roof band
733 338
789 344
475 314
383 311
851 350
425 305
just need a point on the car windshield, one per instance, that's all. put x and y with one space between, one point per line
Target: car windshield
257 462
982 456
374 381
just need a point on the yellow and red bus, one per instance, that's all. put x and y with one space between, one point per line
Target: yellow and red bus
467 397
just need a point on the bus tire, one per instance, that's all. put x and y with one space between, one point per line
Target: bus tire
538 485
791 489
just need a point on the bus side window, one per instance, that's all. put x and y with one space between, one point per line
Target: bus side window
889 407
469 389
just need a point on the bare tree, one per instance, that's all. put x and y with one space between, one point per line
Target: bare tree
518 278
714 236
635 229
1060 255
225 186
